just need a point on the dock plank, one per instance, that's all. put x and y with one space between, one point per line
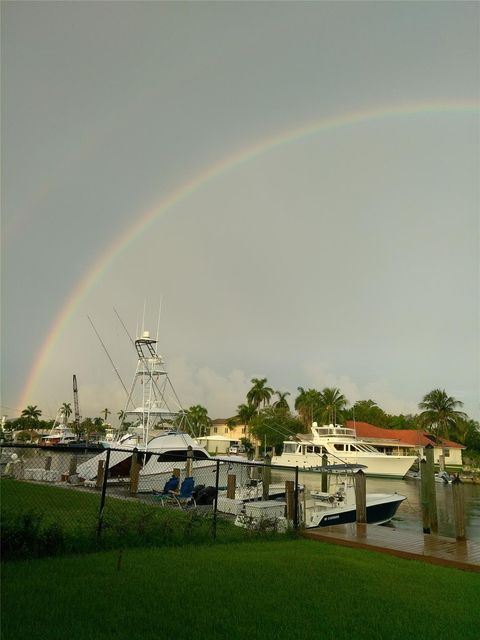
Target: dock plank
405 544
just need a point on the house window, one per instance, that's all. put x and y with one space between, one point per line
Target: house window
214 429
226 429
446 453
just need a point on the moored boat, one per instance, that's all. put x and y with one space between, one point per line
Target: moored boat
157 433
341 445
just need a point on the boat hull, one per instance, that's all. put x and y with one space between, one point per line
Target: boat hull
379 511
376 466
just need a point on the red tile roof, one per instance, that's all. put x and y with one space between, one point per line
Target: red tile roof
406 436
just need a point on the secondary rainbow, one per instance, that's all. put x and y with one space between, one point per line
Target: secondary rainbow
213 172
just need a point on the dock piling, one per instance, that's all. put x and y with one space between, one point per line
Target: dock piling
266 477
361 497
458 508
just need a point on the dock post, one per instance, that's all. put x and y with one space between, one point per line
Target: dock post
189 465
231 485
290 499
100 474
266 477
458 508
361 497
324 474
430 489
72 469
424 497
134 473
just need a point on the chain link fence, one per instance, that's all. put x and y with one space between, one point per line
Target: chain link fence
59 499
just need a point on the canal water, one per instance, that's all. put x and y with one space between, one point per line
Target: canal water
409 514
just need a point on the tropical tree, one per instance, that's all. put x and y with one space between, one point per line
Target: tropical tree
197 420
66 411
272 427
440 412
121 416
307 404
332 403
32 412
106 413
282 404
245 414
32 418
259 394
368 411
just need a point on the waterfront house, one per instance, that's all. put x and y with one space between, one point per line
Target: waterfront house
447 454
223 437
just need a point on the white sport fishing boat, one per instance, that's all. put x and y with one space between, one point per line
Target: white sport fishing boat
323 508
157 431
337 504
341 445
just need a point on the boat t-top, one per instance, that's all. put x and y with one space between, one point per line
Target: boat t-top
154 424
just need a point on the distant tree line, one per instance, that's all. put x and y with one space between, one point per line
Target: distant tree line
268 417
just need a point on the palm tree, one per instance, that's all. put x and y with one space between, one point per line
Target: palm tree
259 393
66 411
32 412
245 413
307 404
440 412
282 403
332 403
106 412
198 420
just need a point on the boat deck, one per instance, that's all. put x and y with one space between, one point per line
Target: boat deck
404 544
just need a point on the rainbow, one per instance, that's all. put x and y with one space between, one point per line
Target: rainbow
187 189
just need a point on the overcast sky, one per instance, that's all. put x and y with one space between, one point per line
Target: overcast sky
345 257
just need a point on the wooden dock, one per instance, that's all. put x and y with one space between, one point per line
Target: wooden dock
404 544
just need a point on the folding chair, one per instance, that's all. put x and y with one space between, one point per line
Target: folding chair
169 490
185 496
181 499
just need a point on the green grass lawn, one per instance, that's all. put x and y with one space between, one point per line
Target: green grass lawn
291 589
44 520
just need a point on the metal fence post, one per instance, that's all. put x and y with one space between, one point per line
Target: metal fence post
295 513
215 502
104 490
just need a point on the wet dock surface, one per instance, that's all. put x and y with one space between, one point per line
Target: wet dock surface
404 544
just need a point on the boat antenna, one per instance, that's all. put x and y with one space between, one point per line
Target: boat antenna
159 314
108 356
124 326
143 318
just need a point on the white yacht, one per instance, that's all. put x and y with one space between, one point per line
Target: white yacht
341 445
60 433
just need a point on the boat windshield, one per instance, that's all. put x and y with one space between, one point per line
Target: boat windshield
331 430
